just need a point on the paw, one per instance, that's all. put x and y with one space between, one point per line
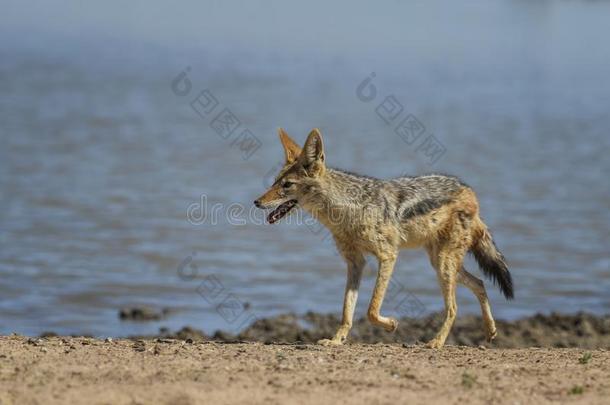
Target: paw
435 344
491 335
330 342
392 326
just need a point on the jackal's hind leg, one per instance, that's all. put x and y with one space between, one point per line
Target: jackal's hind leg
355 266
386 267
478 288
447 264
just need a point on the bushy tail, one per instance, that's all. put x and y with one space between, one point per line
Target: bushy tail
491 260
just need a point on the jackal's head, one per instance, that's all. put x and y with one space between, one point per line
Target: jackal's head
297 178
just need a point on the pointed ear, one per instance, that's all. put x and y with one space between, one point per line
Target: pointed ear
313 150
291 149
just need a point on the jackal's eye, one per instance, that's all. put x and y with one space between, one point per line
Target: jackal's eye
287 184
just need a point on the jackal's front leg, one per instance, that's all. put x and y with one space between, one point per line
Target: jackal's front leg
386 267
355 265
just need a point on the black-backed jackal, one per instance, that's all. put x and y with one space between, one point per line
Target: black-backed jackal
379 217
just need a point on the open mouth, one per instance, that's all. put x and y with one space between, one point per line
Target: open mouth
281 211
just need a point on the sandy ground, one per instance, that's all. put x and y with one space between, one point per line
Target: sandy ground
85 370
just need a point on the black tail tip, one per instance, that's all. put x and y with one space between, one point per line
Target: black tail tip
505 282
495 269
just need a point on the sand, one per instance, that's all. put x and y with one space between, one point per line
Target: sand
85 370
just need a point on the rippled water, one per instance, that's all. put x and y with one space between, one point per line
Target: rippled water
101 160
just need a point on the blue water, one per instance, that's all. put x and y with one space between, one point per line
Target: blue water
101 160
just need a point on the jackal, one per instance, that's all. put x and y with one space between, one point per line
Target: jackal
379 217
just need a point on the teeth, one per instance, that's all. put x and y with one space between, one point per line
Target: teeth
280 211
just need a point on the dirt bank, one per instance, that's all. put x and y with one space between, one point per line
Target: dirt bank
84 370
580 330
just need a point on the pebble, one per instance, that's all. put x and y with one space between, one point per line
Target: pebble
139 346
34 341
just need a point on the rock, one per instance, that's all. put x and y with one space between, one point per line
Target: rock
142 314
139 346
35 341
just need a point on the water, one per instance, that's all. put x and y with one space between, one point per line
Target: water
101 160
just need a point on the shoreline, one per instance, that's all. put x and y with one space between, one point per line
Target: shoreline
580 330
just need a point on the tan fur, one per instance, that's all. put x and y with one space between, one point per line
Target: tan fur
272 195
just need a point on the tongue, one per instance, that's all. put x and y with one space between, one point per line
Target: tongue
281 211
